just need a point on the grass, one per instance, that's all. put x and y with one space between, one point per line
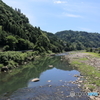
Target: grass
91 87
83 58
93 54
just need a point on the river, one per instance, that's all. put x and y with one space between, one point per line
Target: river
55 82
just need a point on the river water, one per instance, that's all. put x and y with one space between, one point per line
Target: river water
54 81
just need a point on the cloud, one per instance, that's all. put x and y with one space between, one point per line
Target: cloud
59 2
72 15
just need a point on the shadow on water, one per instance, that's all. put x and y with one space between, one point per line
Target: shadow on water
18 82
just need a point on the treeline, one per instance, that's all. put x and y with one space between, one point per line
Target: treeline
95 50
16 33
79 40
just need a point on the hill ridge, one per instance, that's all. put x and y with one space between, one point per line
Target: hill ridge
78 40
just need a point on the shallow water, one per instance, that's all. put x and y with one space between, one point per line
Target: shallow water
54 82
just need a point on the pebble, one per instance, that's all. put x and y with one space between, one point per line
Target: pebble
40 86
79 85
49 80
50 85
76 76
80 81
61 91
67 96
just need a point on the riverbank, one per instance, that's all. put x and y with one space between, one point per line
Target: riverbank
12 59
89 66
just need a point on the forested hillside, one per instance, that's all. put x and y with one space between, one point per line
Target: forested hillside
77 40
16 33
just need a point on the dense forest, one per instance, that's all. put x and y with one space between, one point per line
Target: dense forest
79 40
16 33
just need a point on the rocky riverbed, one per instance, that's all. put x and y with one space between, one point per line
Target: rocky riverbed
90 60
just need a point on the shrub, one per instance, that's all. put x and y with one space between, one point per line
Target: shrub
1 65
5 48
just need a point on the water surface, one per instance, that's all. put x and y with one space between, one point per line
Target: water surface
16 85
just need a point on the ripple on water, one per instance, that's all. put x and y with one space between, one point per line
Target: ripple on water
48 92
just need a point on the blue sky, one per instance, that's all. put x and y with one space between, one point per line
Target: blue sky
59 15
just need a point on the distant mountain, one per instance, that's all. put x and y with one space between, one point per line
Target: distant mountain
16 33
77 40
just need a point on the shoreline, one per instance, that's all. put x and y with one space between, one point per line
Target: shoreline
89 66
10 60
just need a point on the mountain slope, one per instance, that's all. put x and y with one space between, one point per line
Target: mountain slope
79 39
16 33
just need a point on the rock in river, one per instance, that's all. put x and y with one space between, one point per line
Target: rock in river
50 65
35 79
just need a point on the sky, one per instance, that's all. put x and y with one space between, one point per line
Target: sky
59 15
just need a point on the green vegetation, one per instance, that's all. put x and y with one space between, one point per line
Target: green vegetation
94 51
79 40
94 54
13 59
16 33
1 65
83 58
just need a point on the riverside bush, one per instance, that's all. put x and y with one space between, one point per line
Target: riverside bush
1 65
13 58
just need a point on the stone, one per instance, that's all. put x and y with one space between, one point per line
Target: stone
49 80
81 76
35 79
76 76
80 81
79 85
97 98
92 97
50 65
61 91
49 85
40 86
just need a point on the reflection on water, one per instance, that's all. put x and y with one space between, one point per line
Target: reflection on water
54 75
21 77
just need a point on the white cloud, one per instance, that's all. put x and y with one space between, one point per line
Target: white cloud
72 15
59 2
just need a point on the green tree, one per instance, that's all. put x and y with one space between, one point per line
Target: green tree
11 41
